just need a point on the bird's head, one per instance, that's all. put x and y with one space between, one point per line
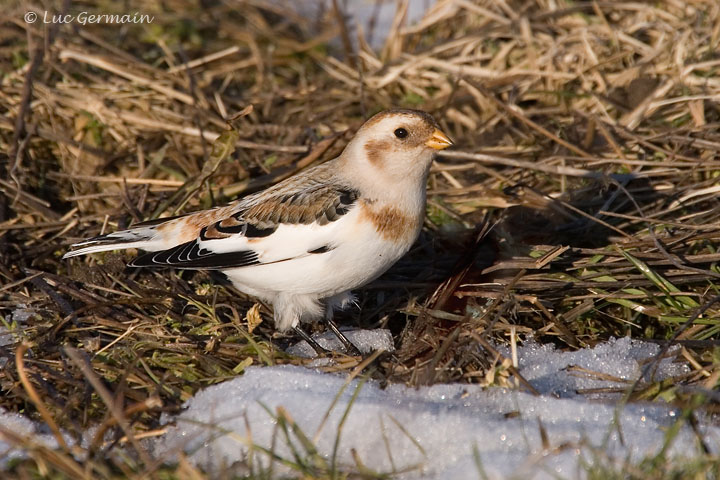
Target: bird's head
399 144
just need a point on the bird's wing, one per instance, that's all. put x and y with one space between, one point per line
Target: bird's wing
294 219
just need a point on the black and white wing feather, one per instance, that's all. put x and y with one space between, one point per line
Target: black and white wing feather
294 218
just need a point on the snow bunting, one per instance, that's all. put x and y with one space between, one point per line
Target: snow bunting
305 242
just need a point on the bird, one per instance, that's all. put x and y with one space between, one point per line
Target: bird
303 244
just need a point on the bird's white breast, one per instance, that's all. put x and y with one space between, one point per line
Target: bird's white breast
362 247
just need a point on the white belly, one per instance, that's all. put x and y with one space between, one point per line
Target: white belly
359 256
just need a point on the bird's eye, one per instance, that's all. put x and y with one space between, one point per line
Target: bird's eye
401 133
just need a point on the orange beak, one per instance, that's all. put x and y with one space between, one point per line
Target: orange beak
438 140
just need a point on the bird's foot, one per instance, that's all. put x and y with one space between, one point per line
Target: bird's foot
350 349
319 349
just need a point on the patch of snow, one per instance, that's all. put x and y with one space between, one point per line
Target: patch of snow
433 432
362 13
367 341
23 427
551 372
19 317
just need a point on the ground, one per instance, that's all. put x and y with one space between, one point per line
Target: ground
580 202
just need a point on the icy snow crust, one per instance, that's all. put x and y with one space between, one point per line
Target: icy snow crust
446 422
23 427
367 341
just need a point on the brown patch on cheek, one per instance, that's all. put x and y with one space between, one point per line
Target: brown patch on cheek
377 151
389 222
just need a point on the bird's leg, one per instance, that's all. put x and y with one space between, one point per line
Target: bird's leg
340 300
288 315
316 346
349 347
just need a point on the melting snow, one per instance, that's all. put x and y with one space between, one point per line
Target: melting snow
432 432
438 432
367 341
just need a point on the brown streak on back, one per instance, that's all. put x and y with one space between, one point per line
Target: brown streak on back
190 225
298 210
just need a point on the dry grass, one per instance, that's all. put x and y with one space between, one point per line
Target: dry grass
587 130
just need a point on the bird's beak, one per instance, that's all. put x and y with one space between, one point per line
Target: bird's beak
438 140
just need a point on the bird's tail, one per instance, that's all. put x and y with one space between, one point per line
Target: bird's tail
145 238
153 235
